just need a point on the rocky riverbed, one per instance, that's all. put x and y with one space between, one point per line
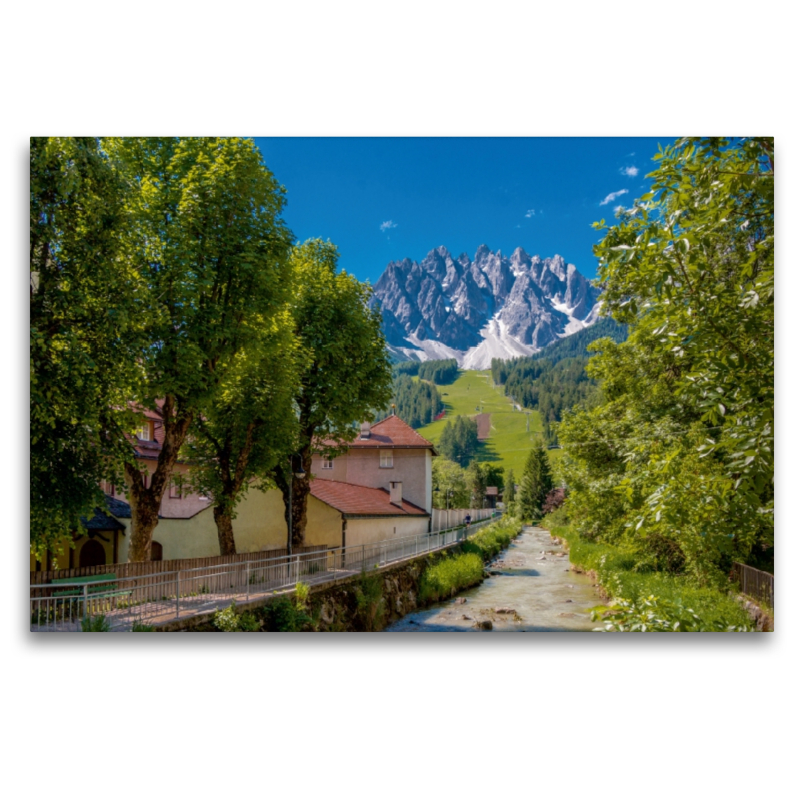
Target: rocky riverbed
530 588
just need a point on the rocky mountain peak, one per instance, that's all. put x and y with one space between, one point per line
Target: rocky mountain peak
474 310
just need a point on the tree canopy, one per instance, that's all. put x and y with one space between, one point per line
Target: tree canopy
344 372
85 323
679 457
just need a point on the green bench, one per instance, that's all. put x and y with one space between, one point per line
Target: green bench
95 585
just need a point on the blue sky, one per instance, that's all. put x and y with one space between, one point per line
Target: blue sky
384 199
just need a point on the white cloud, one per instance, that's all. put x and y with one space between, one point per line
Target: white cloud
613 196
385 226
530 212
631 172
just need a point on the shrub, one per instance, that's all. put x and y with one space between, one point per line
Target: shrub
140 627
657 615
98 624
283 616
450 576
370 603
226 619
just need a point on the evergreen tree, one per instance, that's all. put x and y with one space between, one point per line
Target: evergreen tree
537 481
509 492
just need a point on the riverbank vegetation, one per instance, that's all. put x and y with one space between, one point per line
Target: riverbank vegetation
465 568
636 589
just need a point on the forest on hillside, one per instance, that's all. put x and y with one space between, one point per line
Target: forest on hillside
440 372
555 379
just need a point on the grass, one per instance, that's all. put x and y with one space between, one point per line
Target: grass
454 573
508 443
615 572
450 576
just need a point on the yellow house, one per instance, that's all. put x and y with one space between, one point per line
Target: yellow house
380 489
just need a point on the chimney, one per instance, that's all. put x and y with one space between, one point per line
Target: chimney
365 430
396 493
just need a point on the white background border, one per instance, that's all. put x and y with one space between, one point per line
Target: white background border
603 716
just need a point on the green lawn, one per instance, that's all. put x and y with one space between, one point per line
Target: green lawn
509 443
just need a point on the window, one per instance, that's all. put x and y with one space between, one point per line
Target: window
387 459
175 490
156 551
327 463
143 434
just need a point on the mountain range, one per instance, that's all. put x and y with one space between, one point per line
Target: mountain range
493 306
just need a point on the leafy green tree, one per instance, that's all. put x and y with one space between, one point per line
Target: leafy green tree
248 426
206 237
679 456
449 484
84 322
537 481
476 483
344 370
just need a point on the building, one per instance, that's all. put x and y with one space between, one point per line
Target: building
381 488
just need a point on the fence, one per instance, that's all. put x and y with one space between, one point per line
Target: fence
162 596
137 569
442 519
754 583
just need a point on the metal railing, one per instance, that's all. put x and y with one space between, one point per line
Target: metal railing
166 596
754 583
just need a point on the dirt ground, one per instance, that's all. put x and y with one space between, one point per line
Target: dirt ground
484 424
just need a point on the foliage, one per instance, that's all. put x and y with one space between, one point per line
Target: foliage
302 591
628 573
440 372
554 500
284 616
417 402
204 235
344 371
656 615
459 440
370 602
510 489
489 541
449 576
248 425
569 347
140 627
98 624
678 459
537 482
449 484
84 323
227 620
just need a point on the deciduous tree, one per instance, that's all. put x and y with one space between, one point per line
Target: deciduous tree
344 369
206 237
85 317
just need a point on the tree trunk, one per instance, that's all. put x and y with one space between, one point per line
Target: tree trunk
144 518
146 502
300 489
227 545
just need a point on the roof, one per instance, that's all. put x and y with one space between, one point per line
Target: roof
119 508
388 433
102 522
361 501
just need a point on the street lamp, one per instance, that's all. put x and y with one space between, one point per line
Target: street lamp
295 471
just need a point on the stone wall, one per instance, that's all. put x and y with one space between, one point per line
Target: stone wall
334 605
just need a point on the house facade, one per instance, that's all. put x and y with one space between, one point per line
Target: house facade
379 489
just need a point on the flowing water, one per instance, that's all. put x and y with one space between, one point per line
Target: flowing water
530 588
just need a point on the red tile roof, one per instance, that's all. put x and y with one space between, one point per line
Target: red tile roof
354 500
388 433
